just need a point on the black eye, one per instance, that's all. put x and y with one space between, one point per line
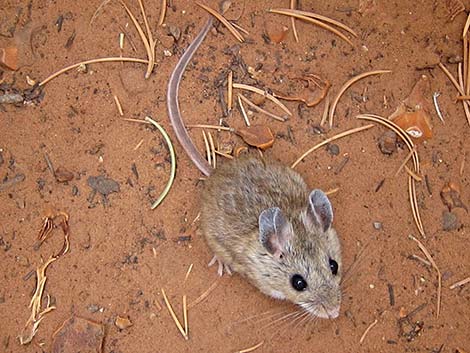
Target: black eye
333 267
298 283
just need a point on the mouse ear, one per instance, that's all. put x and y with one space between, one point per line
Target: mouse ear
319 210
274 231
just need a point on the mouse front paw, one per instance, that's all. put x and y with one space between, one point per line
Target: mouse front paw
221 266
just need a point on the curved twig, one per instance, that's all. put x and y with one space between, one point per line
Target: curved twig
313 21
173 162
348 84
92 61
323 143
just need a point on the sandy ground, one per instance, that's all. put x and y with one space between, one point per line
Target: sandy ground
122 253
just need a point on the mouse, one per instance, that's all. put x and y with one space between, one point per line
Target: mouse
262 221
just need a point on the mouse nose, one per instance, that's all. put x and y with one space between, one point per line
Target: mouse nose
333 313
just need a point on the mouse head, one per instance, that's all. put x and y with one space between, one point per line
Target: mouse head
306 255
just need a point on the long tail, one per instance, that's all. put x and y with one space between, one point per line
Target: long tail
173 105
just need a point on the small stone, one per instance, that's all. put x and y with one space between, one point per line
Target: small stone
122 322
75 191
454 59
175 32
388 142
333 149
167 41
62 175
450 221
93 308
377 225
22 260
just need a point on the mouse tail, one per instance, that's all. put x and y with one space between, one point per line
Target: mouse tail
173 105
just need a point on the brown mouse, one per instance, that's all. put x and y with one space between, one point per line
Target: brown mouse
261 221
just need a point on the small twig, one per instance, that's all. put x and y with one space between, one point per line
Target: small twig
188 272
261 110
433 263
419 258
292 19
325 110
460 283
148 44
230 91
212 145
173 315
240 28
327 141
208 150
204 295
223 20
294 13
411 182
49 164
251 349
215 127
263 93
92 61
118 105
464 103
322 18
185 316
167 139
224 154
413 174
348 84
162 13
460 88
242 109
436 106
407 158
138 145
367 331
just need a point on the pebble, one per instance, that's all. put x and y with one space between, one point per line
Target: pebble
450 221
122 322
332 149
388 142
377 225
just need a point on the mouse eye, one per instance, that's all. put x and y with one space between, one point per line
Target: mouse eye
298 282
333 267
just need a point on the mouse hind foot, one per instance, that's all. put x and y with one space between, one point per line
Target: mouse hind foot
221 266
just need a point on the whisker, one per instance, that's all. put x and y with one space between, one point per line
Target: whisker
281 319
347 276
262 316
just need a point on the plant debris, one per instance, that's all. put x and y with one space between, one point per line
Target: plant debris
122 322
9 58
312 91
62 175
416 124
450 196
37 313
78 335
259 136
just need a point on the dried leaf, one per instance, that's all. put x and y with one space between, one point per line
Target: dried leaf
259 136
122 322
62 175
312 90
9 58
275 32
415 124
450 195
78 335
